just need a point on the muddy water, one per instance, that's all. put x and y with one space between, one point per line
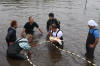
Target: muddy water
73 15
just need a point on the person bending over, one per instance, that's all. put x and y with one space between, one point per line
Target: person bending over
14 50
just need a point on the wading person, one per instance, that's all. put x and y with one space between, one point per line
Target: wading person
56 33
29 27
14 50
92 39
52 21
11 35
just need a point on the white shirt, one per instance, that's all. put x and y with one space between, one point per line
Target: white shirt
59 34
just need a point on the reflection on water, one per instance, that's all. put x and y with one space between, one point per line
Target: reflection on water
73 15
13 62
55 54
86 4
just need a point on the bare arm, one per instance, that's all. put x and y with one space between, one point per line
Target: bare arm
23 30
96 41
40 31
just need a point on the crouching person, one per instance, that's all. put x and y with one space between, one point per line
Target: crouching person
14 50
56 36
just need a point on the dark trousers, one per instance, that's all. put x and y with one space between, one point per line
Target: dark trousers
17 56
89 51
7 42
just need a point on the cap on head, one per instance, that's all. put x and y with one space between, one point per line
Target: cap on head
51 14
92 23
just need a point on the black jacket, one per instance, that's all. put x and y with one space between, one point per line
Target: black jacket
51 22
11 35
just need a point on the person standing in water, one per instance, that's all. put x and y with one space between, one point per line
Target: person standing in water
92 39
52 21
29 27
56 33
11 35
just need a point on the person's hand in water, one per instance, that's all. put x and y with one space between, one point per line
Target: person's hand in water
42 33
33 45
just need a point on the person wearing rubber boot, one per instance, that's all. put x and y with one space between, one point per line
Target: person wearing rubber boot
92 39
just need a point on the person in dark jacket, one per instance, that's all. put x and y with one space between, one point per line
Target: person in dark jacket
92 39
52 21
11 35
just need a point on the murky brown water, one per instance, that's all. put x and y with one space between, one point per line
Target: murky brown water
73 15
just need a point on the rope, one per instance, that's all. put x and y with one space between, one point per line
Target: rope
29 60
74 54
66 51
28 57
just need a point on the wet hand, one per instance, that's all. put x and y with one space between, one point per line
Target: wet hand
91 45
54 41
33 45
49 33
42 34
30 52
